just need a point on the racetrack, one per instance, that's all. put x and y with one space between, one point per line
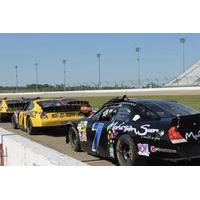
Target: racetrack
55 139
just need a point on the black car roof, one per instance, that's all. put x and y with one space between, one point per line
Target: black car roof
150 101
125 99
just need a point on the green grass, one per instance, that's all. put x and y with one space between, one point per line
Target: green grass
193 101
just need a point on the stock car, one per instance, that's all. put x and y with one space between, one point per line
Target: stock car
130 130
40 113
9 106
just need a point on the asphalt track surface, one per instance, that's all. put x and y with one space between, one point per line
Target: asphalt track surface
55 139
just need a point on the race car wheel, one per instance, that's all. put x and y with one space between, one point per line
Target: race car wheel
14 123
29 127
126 151
74 139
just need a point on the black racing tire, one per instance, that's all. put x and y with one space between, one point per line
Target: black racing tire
14 123
29 127
126 152
74 139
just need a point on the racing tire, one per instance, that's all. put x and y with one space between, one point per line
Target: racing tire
74 139
14 123
126 152
29 128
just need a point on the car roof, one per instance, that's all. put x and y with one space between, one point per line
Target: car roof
151 101
134 101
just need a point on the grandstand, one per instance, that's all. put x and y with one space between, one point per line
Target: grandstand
191 77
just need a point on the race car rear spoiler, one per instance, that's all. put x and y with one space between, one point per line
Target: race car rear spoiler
75 102
16 106
64 108
187 121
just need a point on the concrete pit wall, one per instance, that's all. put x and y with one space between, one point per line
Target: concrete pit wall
19 151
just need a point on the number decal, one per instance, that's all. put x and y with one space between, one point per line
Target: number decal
97 127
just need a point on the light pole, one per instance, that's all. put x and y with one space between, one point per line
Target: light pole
138 60
182 41
99 64
64 83
16 75
36 74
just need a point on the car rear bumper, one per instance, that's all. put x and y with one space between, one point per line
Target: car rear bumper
184 152
7 115
55 122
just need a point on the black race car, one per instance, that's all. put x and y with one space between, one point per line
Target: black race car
128 129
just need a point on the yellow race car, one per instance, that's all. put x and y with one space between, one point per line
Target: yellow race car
8 107
50 113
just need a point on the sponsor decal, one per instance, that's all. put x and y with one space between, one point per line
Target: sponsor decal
97 127
111 150
194 136
111 144
154 149
110 137
136 117
143 130
150 137
82 129
161 133
143 150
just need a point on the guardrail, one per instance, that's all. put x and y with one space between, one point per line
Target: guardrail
19 151
117 92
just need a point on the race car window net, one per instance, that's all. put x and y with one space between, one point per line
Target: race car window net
169 109
105 114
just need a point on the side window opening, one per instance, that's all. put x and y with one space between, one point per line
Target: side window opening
123 113
147 113
107 114
30 106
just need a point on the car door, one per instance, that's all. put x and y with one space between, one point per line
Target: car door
97 130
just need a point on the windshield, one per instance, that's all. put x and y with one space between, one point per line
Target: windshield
168 109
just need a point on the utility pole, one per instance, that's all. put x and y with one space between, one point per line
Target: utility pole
36 75
99 67
138 61
182 41
16 75
64 83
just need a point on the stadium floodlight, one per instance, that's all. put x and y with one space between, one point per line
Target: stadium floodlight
16 75
36 76
138 60
64 83
182 41
99 66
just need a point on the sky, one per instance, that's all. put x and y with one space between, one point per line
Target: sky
161 57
